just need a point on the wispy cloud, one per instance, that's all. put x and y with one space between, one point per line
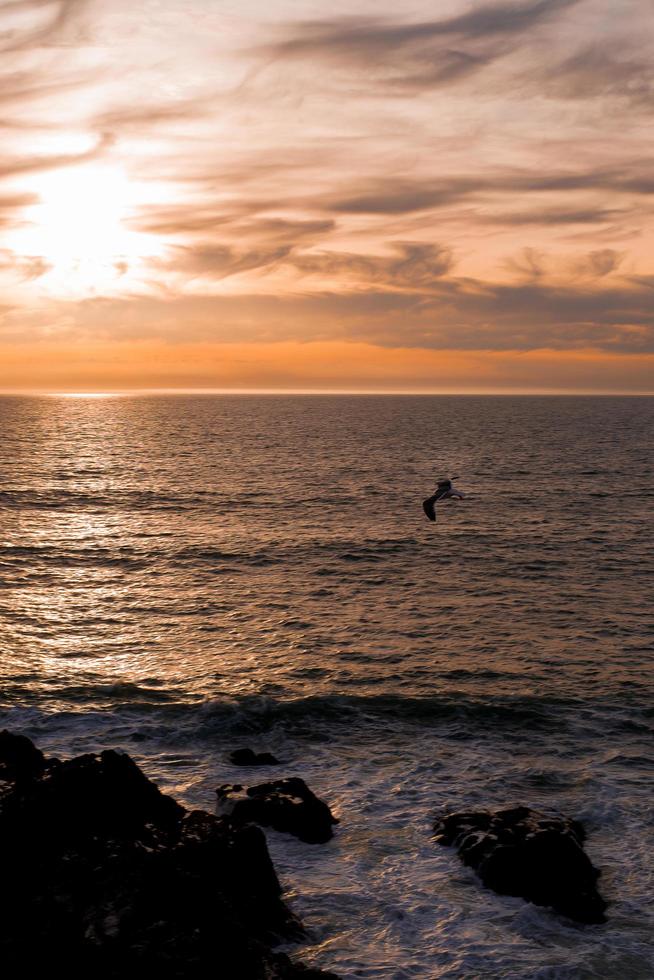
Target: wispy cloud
603 70
24 268
221 261
12 205
601 311
414 265
422 54
406 195
13 167
552 217
36 23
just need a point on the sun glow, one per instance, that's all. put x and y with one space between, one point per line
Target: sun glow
79 229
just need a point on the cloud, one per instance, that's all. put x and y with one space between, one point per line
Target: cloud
24 268
183 222
414 265
599 263
553 217
11 206
470 314
180 220
613 315
603 69
426 54
530 264
402 196
283 229
48 28
395 196
541 47
222 261
566 317
408 297
19 87
33 164
132 119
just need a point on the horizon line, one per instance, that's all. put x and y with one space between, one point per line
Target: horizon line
176 391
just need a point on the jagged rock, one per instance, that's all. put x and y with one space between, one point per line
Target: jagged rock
522 852
285 804
246 757
105 876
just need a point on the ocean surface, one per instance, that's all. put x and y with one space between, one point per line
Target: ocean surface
182 576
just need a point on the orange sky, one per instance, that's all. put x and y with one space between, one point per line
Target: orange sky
453 196
334 366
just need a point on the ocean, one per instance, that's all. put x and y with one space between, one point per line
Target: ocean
181 576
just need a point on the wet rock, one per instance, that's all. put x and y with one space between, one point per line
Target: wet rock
532 855
247 757
285 804
105 876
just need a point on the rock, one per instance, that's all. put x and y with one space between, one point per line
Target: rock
246 757
285 804
105 876
529 854
19 758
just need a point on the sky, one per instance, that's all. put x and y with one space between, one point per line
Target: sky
453 196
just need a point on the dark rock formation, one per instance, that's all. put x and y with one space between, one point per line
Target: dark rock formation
529 854
105 876
19 758
246 757
285 804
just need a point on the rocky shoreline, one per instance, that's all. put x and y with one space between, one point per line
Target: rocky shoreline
106 876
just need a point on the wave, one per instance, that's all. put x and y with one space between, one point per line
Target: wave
337 550
156 712
342 549
50 555
121 499
72 500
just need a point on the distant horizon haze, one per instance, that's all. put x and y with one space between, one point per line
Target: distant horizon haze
311 366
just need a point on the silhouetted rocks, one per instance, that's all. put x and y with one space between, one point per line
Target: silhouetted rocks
247 757
285 804
105 876
529 854
19 758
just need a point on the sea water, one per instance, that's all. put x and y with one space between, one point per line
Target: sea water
182 576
